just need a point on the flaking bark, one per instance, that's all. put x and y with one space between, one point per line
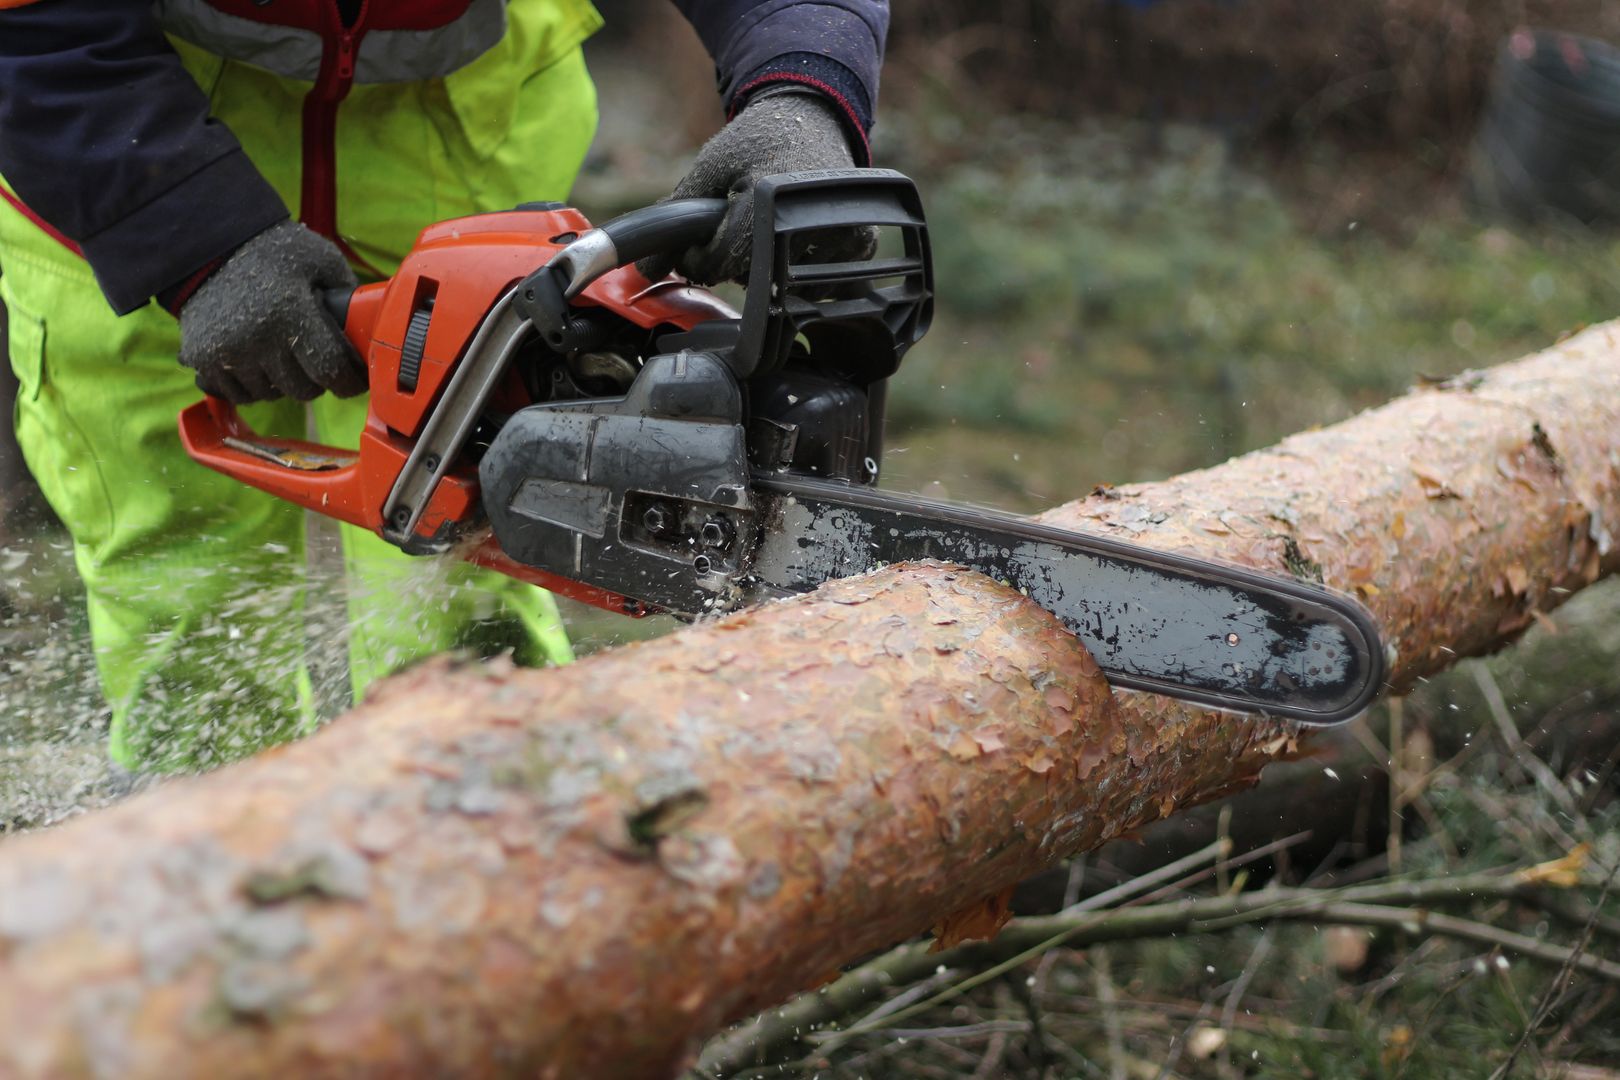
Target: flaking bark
584 871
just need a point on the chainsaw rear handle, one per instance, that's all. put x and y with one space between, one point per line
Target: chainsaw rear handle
318 477
336 303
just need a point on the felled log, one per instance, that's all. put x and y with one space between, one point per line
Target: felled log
584 871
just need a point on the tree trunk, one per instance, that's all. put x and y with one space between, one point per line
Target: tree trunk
584 871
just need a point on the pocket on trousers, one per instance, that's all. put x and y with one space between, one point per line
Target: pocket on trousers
59 454
26 345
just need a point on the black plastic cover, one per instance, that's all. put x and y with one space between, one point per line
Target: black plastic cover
858 318
617 492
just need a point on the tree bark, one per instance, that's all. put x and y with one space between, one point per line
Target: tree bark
584 871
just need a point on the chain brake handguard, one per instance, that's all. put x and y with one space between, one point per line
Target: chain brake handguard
858 318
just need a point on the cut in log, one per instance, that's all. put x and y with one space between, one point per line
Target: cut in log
584 871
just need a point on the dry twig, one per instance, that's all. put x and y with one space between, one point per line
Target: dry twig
1395 905
760 1039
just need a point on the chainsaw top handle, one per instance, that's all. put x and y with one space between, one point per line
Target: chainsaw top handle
652 230
883 303
543 297
662 228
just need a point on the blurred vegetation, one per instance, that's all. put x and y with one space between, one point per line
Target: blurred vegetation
1412 74
1121 301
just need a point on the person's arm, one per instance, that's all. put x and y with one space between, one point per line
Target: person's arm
799 81
833 47
106 136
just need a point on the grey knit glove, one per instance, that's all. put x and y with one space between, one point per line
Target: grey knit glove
779 131
256 329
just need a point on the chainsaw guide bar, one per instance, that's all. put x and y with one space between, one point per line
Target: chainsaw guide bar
1204 632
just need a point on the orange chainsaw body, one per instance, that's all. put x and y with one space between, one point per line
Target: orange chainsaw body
464 266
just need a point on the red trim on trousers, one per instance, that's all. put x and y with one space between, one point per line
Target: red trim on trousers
45 226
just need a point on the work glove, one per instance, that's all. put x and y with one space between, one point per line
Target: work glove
256 328
779 131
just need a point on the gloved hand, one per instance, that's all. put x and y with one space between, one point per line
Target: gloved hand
256 330
779 131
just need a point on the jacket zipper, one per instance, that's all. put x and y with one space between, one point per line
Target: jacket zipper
318 185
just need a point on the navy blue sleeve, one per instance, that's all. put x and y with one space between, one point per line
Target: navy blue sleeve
832 46
105 136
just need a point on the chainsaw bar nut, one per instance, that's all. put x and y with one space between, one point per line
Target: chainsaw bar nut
716 533
658 519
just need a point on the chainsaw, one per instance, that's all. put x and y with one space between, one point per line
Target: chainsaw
540 408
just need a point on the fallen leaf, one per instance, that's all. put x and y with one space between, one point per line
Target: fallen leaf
1518 579
1397 1045
1561 873
979 921
1397 528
